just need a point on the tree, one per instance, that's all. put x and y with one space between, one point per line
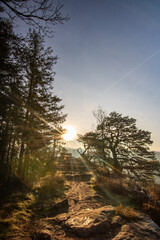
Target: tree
124 146
41 14
43 113
30 112
10 87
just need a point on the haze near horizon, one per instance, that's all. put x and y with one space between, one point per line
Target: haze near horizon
109 54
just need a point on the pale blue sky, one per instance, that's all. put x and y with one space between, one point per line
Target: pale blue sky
103 41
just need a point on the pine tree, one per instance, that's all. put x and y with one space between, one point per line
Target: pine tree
125 146
43 113
10 87
30 112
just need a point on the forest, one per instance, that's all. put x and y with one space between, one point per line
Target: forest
31 113
43 187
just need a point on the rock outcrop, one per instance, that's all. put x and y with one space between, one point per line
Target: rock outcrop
89 218
86 215
104 222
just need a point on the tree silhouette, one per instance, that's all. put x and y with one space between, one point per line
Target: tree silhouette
41 14
120 143
30 113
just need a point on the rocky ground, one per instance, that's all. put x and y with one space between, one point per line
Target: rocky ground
84 214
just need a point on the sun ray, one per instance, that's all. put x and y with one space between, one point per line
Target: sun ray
70 133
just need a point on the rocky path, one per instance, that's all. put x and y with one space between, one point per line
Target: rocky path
85 215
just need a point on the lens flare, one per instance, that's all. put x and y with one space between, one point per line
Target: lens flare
70 133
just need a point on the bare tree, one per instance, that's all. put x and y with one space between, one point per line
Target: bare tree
42 14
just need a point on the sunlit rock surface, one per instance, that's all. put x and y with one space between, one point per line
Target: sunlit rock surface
144 228
88 222
105 222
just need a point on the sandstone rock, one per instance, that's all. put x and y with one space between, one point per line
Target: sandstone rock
105 222
91 221
61 217
61 204
144 229
117 220
59 207
43 235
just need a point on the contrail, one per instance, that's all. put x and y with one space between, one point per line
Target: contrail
134 69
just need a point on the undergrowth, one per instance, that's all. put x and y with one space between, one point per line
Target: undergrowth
144 198
19 209
113 184
126 212
15 213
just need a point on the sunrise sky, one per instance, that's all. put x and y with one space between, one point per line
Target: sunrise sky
109 56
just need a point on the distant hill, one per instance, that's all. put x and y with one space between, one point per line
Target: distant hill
158 155
76 154
73 151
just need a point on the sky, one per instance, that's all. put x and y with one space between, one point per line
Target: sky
109 56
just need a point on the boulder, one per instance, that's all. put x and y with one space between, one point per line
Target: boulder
144 229
88 222
43 235
105 221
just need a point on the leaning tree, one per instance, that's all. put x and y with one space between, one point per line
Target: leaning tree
122 146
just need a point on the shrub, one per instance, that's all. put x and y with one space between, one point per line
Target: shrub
51 185
153 203
112 184
126 212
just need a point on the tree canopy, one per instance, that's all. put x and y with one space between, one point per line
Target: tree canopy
41 14
30 112
122 146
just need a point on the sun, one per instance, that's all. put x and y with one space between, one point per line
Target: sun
70 133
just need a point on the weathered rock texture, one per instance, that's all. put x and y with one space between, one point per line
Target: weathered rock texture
105 222
89 222
88 218
86 215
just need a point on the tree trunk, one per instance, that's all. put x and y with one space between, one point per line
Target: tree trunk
116 165
21 155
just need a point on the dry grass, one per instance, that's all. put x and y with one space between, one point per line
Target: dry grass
126 212
112 184
15 214
18 209
154 201
51 186
154 192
